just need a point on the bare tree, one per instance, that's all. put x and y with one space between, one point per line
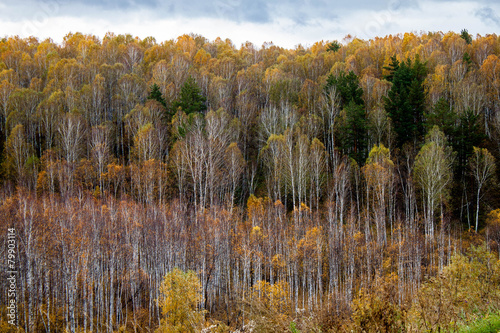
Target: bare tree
378 173
235 164
17 151
146 145
100 149
71 135
482 166
330 112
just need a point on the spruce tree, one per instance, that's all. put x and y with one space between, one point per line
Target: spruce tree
156 95
333 46
348 88
467 134
443 116
353 132
392 67
466 36
352 128
190 100
405 103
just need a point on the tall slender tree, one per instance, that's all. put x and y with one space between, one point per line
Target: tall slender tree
482 166
405 103
433 173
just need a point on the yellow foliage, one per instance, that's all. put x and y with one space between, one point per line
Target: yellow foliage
304 207
256 231
465 290
378 310
202 57
255 208
273 296
311 244
359 237
181 295
494 217
278 261
493 228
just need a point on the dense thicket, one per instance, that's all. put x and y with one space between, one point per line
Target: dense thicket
294 183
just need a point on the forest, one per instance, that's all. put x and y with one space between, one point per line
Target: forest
193 186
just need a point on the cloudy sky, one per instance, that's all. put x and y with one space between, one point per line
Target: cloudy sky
285 23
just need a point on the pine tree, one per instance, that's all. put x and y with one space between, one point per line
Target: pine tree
466 135
353 132
466 36
333 47
392 67
348 88
352 129
443 116
467 60
405 103
190 100
156 95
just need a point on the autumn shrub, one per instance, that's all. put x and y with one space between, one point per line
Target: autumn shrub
7 327
181 295
270 307
467 289
217 327
334 316
493 228
378 309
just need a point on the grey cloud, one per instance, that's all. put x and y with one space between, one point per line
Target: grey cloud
488 14
110 4
234 10
239 10
300 12
256 11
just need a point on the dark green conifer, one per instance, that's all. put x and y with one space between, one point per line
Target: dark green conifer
352 128
466 36
156 95
405 103
191 99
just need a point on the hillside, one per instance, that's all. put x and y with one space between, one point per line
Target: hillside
350 185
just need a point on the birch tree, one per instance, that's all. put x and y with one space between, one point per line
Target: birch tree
482 167
433 173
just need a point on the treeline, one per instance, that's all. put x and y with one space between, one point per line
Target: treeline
312 174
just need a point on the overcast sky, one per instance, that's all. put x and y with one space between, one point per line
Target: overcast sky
285 23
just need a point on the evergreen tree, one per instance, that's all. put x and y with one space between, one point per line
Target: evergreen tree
352 129
466 136
462 132
190 100
392 67
348 88
352 132
466 36
443 116
405 103
467 60
333 47
156 95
